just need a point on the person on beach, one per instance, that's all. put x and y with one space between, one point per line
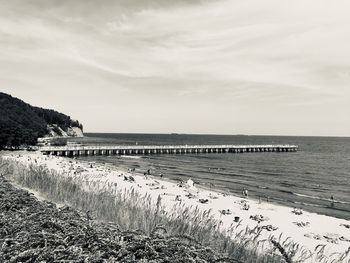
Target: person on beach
245 193
181 183
190 183
246 206
178 198
297 211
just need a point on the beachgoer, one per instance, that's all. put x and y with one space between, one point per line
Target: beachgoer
246 206
332 201
297 211
203 201
190 183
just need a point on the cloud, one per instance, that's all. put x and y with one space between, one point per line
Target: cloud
250 55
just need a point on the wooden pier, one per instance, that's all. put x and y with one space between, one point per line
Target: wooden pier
83 150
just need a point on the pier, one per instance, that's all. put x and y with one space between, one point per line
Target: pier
84 150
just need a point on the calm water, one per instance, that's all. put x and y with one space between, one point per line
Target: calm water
306 179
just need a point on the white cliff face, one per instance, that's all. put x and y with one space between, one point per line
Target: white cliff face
76 131
71 132
56 132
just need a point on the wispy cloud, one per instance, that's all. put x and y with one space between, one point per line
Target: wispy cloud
255 57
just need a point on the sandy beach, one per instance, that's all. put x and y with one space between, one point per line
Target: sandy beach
307 229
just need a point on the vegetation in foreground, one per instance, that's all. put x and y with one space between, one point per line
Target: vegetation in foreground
33 231
184 229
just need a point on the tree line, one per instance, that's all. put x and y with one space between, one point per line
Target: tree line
22 124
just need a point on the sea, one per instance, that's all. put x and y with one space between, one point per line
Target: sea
305 179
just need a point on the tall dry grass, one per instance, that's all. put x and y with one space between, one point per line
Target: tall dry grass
128 210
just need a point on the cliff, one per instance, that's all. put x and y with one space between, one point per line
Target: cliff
56 131
22 124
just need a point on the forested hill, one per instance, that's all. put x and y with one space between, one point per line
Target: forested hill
22 124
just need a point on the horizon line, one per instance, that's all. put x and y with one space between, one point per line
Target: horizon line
218 134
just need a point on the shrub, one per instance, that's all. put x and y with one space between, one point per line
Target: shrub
58 141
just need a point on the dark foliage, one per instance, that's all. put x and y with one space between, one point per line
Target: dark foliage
22 124
58 142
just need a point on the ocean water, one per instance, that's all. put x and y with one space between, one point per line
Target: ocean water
306 179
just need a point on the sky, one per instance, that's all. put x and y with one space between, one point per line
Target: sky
264 67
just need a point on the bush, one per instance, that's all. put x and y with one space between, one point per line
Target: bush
58 142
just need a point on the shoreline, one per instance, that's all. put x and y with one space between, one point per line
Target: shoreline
308 229
321 209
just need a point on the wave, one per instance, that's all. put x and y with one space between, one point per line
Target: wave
286 191
322 199
130 156
309 204
263 187
288 184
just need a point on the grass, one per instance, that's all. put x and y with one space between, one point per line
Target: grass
36 232
140 214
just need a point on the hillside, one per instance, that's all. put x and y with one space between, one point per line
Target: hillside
23 124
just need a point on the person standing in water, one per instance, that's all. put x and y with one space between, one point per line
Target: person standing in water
245 193
332 201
